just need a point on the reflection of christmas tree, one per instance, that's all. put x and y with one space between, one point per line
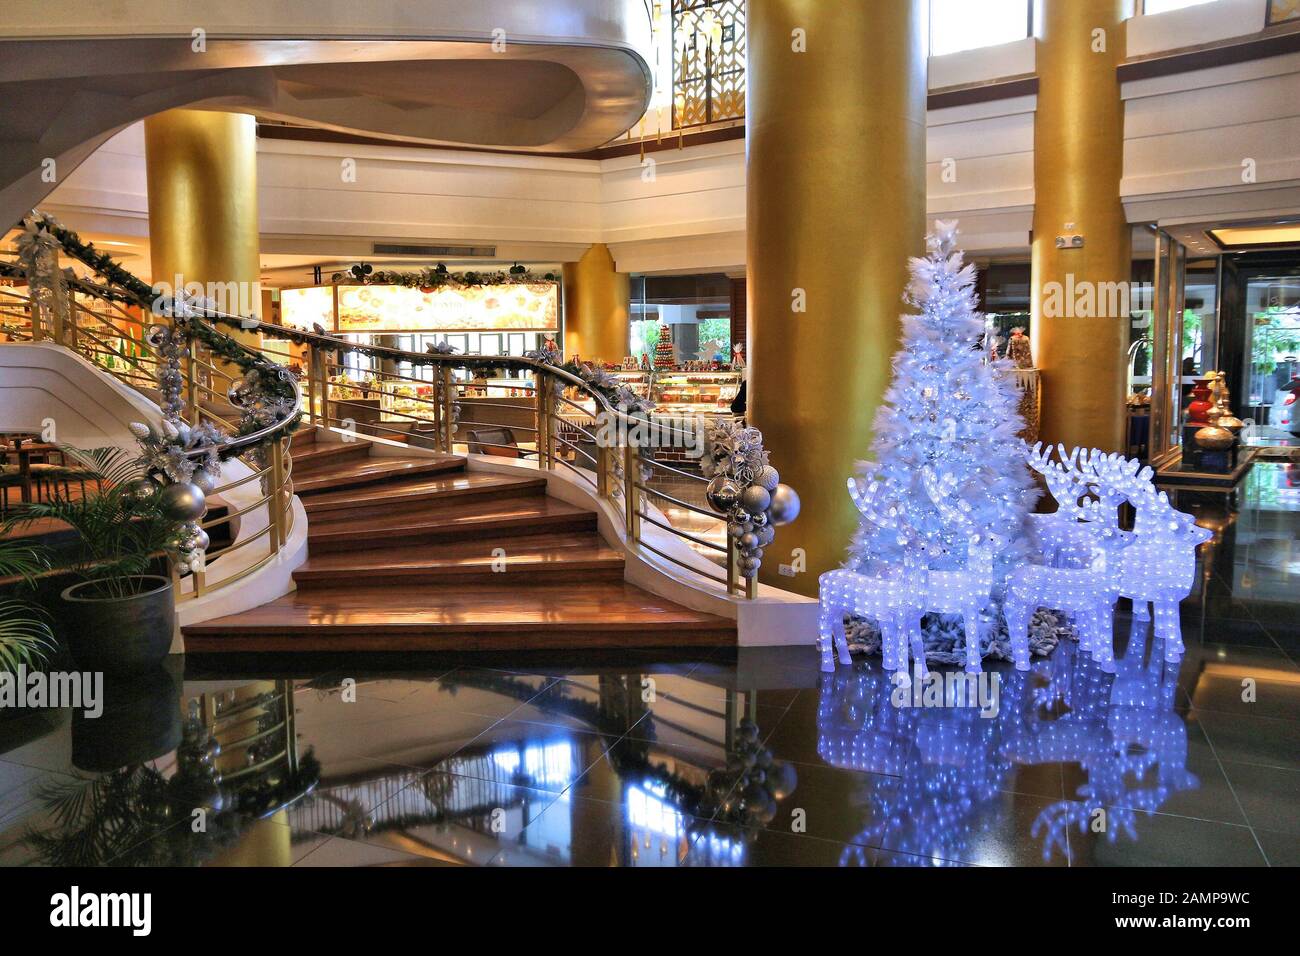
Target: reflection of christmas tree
939 775
664 348
935 781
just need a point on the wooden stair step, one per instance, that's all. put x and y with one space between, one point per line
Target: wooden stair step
473 617
500 518
319 455
379 499
369 471
554 557
303 437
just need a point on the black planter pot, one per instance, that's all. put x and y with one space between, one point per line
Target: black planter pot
125 634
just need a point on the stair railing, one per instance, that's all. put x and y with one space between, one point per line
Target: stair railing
556 417
566 419
107 324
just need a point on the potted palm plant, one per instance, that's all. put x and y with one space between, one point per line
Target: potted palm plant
121 614
25 634
26 639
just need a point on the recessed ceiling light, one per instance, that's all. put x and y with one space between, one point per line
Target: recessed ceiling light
1245 236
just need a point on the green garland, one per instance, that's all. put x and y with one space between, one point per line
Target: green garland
438 277
610 392
135 291
229 349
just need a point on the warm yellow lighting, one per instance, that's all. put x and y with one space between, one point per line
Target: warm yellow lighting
1278 235
387 308
303 308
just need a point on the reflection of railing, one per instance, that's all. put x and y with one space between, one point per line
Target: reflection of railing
108 325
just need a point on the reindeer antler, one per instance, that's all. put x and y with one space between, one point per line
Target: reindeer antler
940 490
867 504
1066 479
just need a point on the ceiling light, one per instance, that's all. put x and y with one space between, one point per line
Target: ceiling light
1279 234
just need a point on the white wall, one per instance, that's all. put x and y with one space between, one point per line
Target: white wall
1191 26
1186 136
983 65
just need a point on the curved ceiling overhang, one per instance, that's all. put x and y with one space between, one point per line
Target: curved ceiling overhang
523 95
563 76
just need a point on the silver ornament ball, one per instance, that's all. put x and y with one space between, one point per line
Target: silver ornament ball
722 493
183 501
767 478
205 480
142 489
755 499
785 505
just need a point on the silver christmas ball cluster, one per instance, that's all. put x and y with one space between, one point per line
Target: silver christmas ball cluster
258 403
171 346
748 789
745 488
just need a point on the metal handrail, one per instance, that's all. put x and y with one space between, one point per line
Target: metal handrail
84 332
553 448
543 382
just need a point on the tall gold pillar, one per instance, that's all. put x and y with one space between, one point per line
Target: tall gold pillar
202 175
1078 161
596 303
836 204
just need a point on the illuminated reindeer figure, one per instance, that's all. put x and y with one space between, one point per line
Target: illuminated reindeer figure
1088 593
889 600
1101 468
965 590
1159 566
1062 538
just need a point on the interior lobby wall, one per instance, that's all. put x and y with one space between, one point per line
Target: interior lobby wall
1187 136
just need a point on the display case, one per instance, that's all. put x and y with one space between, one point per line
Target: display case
638 380
694 393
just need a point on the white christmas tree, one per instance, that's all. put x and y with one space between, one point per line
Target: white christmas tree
949 416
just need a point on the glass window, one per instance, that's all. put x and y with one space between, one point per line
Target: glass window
694 309
1164 6
708 61
968 24
1004 291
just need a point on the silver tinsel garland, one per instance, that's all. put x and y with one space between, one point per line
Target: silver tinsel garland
945 639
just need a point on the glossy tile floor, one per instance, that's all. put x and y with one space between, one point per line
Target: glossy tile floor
748 758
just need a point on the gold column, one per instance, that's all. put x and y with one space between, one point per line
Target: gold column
596 302
836 204
1078 162
264 843
202 176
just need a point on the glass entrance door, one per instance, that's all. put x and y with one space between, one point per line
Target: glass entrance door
1272 359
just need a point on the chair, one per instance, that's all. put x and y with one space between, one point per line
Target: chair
493 441
11 476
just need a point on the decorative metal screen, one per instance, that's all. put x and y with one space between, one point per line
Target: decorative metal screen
708 61
1280 11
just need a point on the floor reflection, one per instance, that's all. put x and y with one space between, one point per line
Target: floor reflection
952 764
746 758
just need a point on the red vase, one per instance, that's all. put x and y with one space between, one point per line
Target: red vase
1199 407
